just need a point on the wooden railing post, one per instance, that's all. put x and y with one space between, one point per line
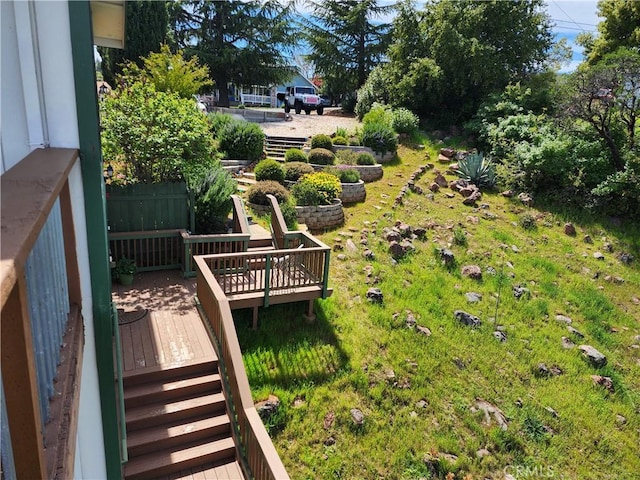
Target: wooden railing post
267 278
20 384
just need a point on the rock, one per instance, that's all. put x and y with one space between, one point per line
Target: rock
567 343
614 280
267 408
374 295
594 357
483 452
472 271
491 410
405 230
357 416
338 247
587 239
556 371
621 420
507 193
472 220
423 331
443 158
441 181
626 258
342 257
368 254
526 199
473 297
519 292
420 233
448 259
575 332
434 187
605 382
329 441
553 413
410 320
500 336
563 319
466 318
329 418
598 255
491 271
542 370
351 247
515 249
393 236
569 229
447 152
607 247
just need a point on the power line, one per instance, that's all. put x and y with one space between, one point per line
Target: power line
569 16
571 21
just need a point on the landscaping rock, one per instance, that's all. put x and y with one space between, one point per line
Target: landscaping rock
621 420
607 247
598 255
605 382
441 181
614 280
500 336
466 318
368 254
569 229
342 257
423 331
472 271
374 295
594 357
563 319
473 297
448 259
483 452
507 193
575 332
587 239
420 233
567 343
351 247
626 258
526 199
410 320
448 152
392 235
434 187
491 410
329 418
357 416
520 292
329 441
405 230
267 408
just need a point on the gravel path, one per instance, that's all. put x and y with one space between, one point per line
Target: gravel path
308 125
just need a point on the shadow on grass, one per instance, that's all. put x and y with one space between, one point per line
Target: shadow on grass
286 349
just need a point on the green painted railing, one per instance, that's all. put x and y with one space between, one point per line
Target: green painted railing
122 420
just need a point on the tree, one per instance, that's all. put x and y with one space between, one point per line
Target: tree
146 26
446 59
169 73
607 96
620 28
242 42
346 42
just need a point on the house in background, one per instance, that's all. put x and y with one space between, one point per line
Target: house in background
57 395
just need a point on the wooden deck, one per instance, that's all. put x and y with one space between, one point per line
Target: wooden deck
170 333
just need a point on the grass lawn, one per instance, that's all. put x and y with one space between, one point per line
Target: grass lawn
422 396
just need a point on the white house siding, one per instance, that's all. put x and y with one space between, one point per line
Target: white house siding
24 127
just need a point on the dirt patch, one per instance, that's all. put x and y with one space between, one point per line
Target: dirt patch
303 125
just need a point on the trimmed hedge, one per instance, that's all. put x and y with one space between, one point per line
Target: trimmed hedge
321 156
269 170
321 141
258 192
294 170
318 188
295 155
365 158
242 141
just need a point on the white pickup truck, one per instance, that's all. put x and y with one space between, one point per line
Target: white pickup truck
302 98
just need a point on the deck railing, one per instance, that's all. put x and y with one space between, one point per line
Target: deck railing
42 329
210 244
254 442
273 270
151 250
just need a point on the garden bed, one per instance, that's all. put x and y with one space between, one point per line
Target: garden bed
353 192
259 210
321 216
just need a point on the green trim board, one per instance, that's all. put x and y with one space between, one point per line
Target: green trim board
94 199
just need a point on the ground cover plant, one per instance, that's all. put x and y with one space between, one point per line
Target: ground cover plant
448 400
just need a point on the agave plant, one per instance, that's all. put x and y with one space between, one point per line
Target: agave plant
477 170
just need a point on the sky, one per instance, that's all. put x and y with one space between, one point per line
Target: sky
571 17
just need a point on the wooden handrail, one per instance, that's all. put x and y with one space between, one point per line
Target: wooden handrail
255 445
278 225
240 220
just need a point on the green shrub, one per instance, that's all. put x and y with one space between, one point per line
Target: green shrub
380 114
212 200
258 192
321 156
341 132
172 141
477 170
289 214
365 158
295 155
269 170
218 121
459 236
340 140
318 188
379 137
404 121
294 170
242 141
321 141
346 175
527 221
346 157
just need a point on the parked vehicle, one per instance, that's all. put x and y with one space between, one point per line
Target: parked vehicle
302 98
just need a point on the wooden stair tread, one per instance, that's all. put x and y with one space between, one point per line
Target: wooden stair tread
164 434
148 413
135 394
168 371
170 460
226 471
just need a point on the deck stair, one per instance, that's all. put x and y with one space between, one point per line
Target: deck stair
245 180
234 166
275 147
177 421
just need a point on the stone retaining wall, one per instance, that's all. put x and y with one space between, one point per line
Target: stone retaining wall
369 173
321 216
353 192
386 158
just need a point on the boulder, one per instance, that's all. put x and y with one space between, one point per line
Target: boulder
357 416
569 229
448 259
526 199
593 356
441 181
472 271
466 318
604 382
374 295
